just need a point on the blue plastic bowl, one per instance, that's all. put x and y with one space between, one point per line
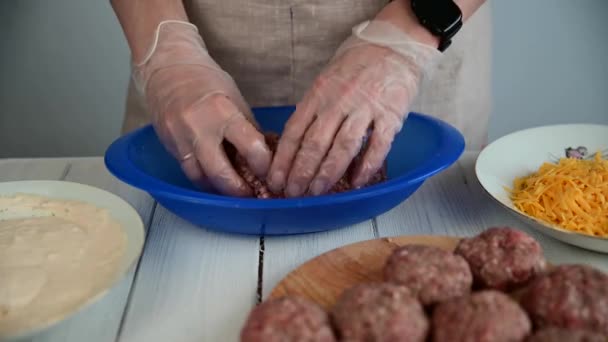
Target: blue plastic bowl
424 147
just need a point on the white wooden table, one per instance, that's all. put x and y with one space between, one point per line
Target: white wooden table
192 284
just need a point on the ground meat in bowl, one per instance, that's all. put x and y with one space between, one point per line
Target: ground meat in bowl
555 334
260 187
430 273
379 312
484 316
502 258
287 319
569 296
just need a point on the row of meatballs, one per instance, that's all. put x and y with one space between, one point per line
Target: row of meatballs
495 286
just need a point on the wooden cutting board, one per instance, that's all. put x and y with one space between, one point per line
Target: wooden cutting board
323 278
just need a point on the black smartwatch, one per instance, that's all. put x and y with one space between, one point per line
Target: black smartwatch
442 18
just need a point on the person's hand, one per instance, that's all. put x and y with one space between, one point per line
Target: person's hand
369 83
195 106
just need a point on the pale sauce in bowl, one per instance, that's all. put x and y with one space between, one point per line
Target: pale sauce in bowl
53 263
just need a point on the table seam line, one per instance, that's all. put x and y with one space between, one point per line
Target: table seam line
134 282
462 173
66 171
375 230
260 282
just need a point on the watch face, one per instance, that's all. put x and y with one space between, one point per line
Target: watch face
442 16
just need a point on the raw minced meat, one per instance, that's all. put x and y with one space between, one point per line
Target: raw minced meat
502 258
287 319
261 189
555 334
569 296
430 273
484 316
379 312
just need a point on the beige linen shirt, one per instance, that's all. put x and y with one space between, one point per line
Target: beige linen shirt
275 48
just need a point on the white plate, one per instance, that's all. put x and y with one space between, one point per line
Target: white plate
523 152
118 209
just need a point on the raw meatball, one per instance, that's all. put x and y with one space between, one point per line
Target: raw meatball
261 189
485 316
554 334
569 296
502 258
287 319
379 312
430 273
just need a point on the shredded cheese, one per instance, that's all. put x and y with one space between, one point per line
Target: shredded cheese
572 194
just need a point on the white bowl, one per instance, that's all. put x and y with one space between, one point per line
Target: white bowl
119 210
521 153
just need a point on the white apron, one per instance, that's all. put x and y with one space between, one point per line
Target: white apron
275 48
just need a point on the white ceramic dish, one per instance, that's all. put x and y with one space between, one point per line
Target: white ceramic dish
118 208
522 153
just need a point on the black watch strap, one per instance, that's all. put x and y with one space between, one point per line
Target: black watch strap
442 18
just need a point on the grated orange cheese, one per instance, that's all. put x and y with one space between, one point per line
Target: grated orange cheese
572 194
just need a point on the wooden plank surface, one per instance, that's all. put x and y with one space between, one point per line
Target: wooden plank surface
198 285
193 285
99 322
324 278
443 205
435 209
283 254
28 169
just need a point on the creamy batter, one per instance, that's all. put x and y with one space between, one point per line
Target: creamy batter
53 263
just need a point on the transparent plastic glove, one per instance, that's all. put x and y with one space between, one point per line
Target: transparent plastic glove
196 106
369 83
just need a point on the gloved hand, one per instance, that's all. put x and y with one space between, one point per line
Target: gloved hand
369 83
195 106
